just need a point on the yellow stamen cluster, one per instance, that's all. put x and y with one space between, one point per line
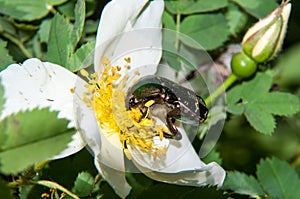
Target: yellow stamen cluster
107 97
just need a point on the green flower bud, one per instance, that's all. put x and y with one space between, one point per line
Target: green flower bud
242 65
264 39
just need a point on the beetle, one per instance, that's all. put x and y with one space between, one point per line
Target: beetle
171 102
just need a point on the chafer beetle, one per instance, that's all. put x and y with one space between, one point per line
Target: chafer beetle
171 102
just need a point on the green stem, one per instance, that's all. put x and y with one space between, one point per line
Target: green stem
39 166
178 19
55 185
228 82
28 174
15 184
19 44
132 180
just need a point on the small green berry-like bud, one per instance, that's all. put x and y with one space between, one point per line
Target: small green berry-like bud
242 65
264 39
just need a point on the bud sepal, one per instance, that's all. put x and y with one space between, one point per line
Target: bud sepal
263 40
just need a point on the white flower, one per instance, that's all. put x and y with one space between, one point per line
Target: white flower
102 123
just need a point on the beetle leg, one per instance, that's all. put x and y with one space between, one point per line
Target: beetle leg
170 123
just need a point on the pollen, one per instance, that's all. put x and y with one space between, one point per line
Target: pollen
149 103
106 95
84 73
72 90
136 72
127 59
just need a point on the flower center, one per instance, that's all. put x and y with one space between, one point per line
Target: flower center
107 97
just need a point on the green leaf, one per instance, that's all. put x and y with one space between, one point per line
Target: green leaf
257 8
209 30
260 120
92 6
6 25
236 19
26 26
213 156
28 10
32 136
4 190
59 44
2 98
3 122
279 103
172 59
84 184
258 86
3 136
5 58
37 48
191 7
82 58
190 56
168 21
79 22
232 98
236 109
68 9
56 2
91 26
24 192
61 47
259 105
24 10
243 184
44 30
234 95
278 179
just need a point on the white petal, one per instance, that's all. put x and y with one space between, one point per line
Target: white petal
110 163
107 149
117 17
111 152
180 156
210 174
106 146
115 178
139 38
181 165
109 159
86 122
40 84
151 16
